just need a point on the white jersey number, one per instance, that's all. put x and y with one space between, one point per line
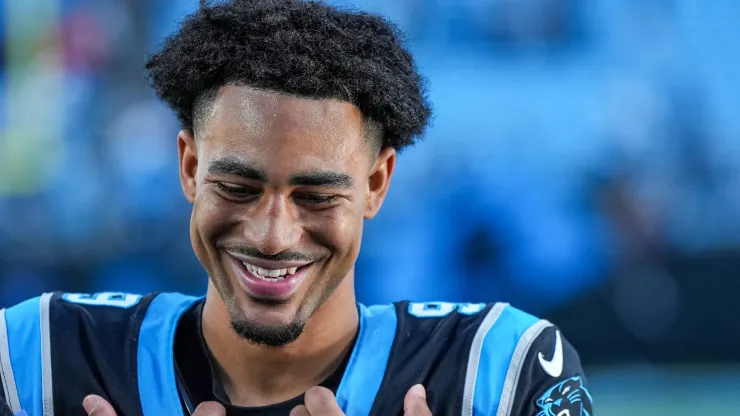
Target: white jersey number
115 299
440 309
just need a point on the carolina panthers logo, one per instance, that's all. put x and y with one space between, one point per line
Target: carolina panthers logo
567 398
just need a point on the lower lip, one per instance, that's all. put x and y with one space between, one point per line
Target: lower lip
265 289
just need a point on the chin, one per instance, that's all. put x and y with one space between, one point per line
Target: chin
271 329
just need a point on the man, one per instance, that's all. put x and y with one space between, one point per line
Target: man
292 116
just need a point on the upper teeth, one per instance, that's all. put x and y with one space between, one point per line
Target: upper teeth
267 274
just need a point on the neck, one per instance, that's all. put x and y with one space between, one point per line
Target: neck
255 375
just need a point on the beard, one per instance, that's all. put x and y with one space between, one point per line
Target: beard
268 336
275 336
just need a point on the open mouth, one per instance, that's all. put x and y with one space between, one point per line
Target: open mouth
275 283
274 275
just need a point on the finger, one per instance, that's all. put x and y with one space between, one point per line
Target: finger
320 401
97 406
209 409
299 411
415 402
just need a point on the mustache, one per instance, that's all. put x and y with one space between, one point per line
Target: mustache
253 252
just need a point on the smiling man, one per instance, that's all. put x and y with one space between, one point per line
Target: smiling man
293 113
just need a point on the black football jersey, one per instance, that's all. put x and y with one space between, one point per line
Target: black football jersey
473 359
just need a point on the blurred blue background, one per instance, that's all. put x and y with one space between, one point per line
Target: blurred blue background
583 165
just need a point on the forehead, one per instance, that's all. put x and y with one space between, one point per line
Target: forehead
275 130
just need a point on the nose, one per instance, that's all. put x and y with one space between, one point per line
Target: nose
270 225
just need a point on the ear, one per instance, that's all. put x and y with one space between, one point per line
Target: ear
188 163
378 181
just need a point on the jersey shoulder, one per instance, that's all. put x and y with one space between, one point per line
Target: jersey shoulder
439 345
455 321
106 312
541 374
106 306
550 377
87 317
513 363
90 341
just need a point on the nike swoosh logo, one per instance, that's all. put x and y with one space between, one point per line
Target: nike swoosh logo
554 366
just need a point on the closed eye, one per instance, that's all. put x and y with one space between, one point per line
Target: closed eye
317 199
236 191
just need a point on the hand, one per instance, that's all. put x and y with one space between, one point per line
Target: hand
415 402
98 406
321 402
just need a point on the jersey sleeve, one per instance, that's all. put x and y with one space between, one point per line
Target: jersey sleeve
22 356
551 380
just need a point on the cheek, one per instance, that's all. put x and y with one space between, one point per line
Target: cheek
340 231
210 220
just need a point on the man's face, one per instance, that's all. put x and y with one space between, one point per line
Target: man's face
280 187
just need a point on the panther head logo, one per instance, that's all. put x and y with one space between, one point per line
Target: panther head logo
567 398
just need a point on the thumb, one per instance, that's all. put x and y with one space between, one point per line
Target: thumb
209 409
415 402
97 406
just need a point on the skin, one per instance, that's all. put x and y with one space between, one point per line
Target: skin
319 402
277 177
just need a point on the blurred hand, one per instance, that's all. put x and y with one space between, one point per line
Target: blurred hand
98 406
320 401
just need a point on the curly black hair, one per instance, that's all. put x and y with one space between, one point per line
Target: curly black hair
301 48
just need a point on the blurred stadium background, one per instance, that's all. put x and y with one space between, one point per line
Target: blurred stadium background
583 165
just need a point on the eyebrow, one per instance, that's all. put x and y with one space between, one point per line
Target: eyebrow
235 167
325 178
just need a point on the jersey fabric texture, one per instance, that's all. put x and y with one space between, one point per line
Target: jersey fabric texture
473 359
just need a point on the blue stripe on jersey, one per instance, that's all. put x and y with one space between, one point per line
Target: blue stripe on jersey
366 367
497 352
156 362
24 340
